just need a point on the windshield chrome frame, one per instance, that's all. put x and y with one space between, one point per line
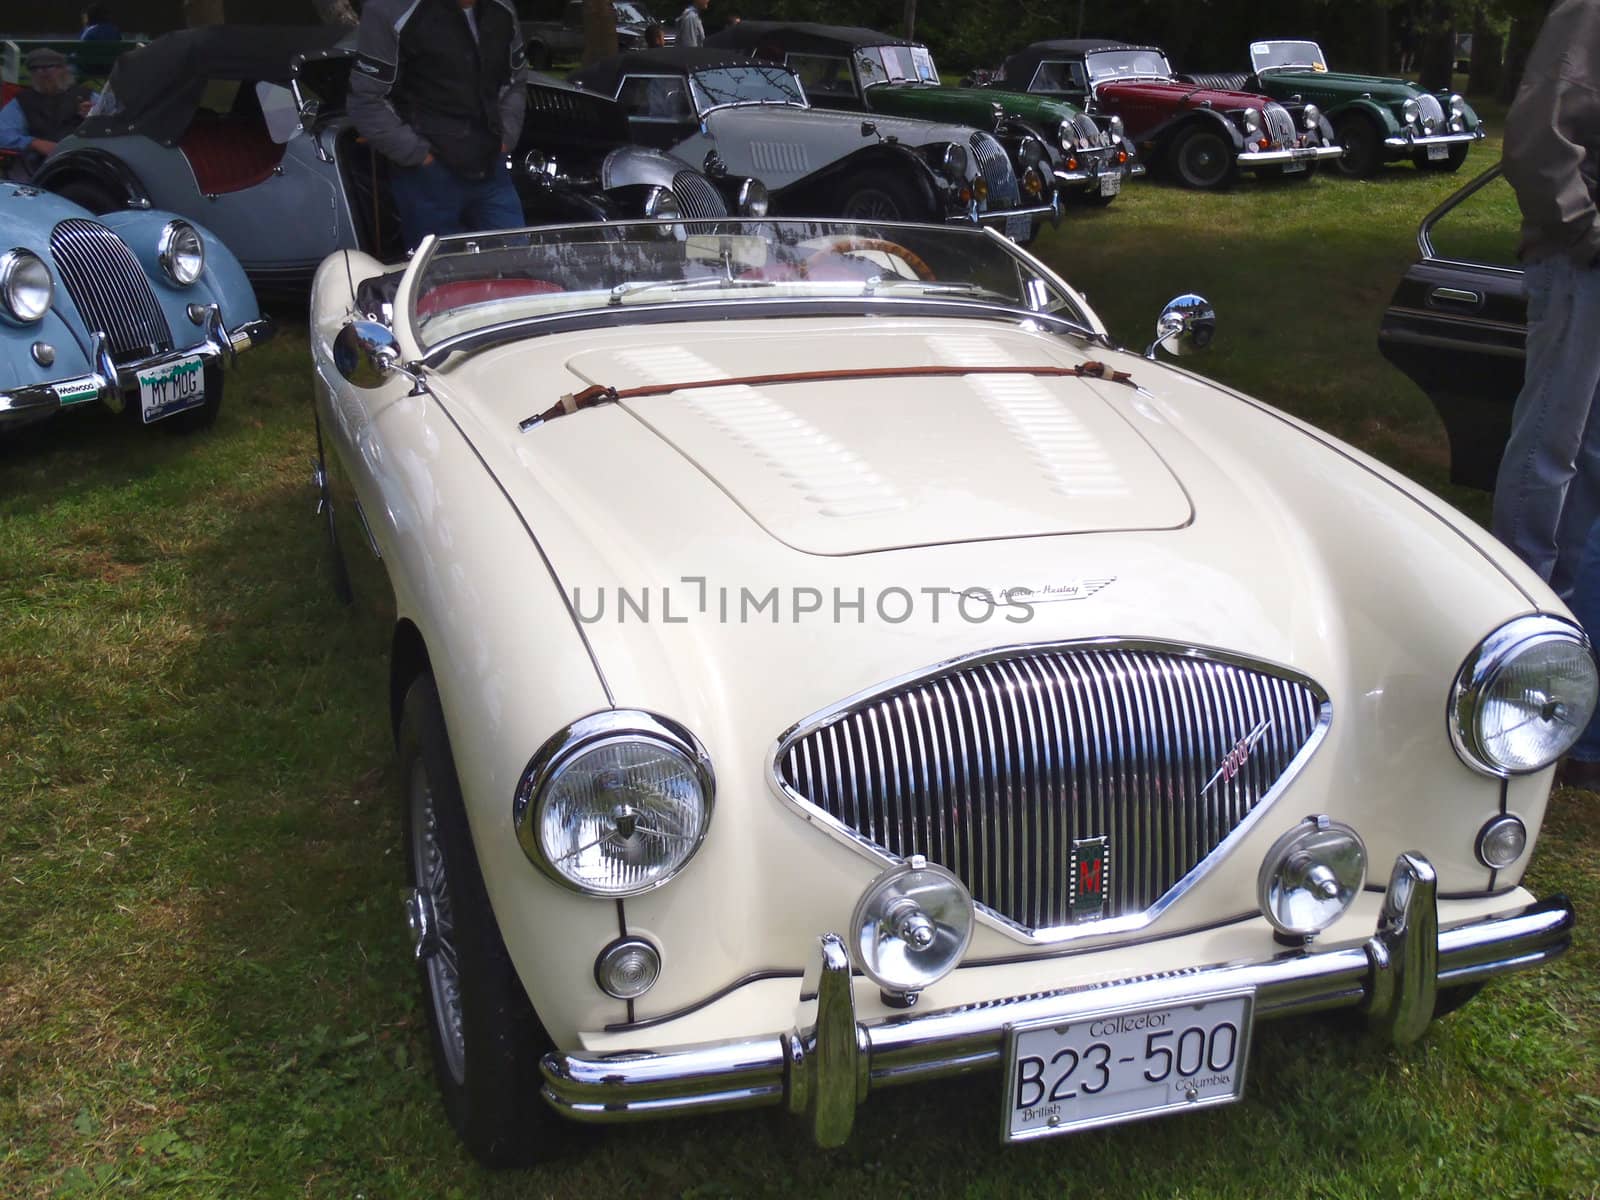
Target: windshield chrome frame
804 103
1094 84
1288 66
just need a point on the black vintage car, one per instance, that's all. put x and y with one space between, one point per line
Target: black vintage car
1457 324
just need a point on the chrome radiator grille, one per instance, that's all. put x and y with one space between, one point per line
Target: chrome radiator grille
1280 125
1431 111
110 288
697 195
997 767
1086 131
995 167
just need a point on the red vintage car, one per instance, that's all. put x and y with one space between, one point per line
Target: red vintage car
1203 136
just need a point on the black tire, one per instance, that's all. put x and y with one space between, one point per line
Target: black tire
1363 146
879 196
1203 159
1449 999
99 198
193 420
339 571
1451 162
485 1037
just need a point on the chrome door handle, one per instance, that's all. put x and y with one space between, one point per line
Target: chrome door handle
1456 297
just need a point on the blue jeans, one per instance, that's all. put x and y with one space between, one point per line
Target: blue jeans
434 199
1547 496
1586 607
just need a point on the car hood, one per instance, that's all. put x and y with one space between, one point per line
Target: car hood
27 215
783 123
970 106
1185 94
1334 83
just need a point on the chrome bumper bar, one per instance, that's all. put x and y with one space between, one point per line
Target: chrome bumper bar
1000 216
1276 158
35 401
1404 142
824 1069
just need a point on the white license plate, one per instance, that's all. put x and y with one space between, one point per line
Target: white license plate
1438 152
1125 1064
1111 184
1289 168
171 388
1018 228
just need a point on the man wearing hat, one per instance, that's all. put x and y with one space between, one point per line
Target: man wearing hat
52 106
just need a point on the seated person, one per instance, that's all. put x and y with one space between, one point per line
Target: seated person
51 107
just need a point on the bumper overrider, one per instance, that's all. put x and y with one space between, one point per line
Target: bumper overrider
1295 154
1408 140
108 380
822 1071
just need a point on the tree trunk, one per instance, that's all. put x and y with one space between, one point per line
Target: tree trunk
1379 46
911 20
202 12
1483 74
1438 59
336 12
1519 42
599 29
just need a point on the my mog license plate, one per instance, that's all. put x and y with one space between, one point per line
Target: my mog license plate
171 388
1124 1064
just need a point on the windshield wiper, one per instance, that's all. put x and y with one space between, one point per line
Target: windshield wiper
632 288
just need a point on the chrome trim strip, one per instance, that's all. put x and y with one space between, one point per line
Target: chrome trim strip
1388 976
1102 711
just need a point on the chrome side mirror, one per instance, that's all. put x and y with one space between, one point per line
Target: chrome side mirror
366 354
1187 325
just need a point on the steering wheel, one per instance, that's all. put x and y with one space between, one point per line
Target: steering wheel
851 245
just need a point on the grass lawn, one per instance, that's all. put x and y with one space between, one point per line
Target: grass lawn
205 981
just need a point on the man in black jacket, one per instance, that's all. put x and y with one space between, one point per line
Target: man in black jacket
438 90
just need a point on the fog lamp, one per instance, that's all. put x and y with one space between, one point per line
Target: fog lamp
911 927
1501 842
1032 182
1312 874
1122 156
627 968
980 188
1523 696
1072 164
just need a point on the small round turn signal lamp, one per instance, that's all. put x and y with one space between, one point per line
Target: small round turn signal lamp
1501 842
627 968
910 928
1312 874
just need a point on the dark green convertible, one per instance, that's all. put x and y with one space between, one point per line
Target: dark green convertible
1062 150
1376 119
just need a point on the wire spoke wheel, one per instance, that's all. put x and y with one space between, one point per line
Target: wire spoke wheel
441 961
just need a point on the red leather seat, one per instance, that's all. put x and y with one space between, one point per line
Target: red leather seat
463 292
229 154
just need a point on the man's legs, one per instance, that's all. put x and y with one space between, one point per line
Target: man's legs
1549 422
493 203
429 199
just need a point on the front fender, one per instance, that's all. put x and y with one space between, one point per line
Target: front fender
1379 114
1163 135
90 163
822 187
222 283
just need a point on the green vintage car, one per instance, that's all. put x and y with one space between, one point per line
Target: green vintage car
1058 151
1376 119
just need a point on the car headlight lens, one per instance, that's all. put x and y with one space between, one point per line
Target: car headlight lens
616 804
911 926
1458 106
1411 111
1523 696
26 287
1311 117
753 198
1066 135
1312 874
954 161
1252 120
182 252
661 203
1031 152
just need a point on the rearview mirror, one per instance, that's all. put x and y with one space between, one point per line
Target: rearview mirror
366 354
1186 326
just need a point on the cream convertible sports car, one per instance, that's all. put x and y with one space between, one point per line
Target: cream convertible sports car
822 661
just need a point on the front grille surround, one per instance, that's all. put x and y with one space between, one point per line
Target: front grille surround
996 169
1189 736
1280 125
109 288
1430 110
697 196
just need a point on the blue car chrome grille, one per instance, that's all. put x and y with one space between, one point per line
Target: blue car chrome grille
996 169
109 288
1001 768
697 195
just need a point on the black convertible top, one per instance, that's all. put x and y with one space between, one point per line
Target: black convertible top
156 89
750 36
1018 69
604 75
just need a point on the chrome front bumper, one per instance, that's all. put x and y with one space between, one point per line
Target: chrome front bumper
1001 216
824 1069
1404 141
1276 158
35 401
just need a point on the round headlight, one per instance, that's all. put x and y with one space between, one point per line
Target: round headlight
1312 874
1065 135
627 968
1031 152
954 161
1458 106
1411 110
1115 126
661 203
1252 120
911 926
182 252
1523 696
1311 116
616 804
26 288
753 198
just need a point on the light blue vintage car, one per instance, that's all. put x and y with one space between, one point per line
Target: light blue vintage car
139 309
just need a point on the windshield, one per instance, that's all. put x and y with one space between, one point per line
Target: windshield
629 14
756 84
1111 65
479 281
1264 56
895 64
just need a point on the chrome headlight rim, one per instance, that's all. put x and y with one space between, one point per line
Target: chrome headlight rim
182 252
1483 667
661 205
1253 121
953 161
590 733
1411 111
1030 153
13 263
1066 136
753 200
1456 105
1311 118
